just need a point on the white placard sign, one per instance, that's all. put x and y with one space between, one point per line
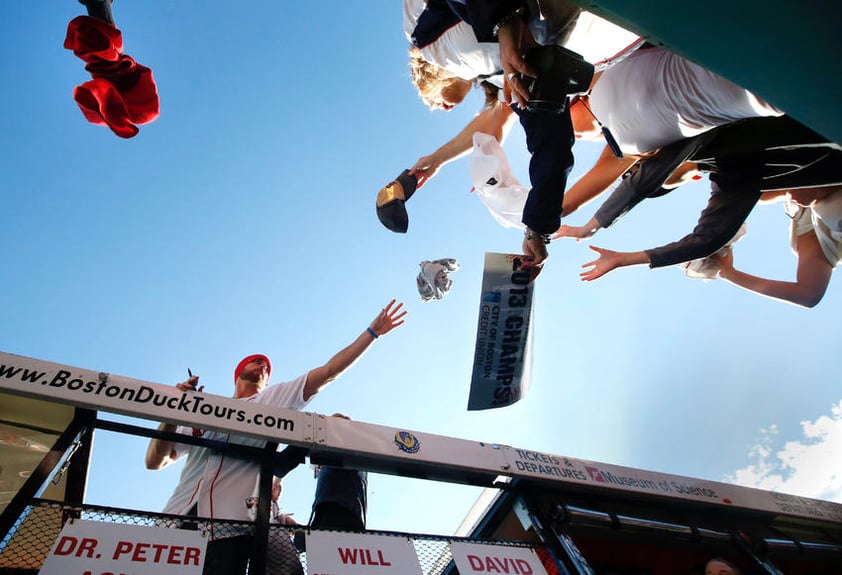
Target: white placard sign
93 547
496 559
330 553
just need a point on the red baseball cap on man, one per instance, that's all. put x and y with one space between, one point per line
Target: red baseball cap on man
248 359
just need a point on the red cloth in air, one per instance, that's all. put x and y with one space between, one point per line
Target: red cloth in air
122 93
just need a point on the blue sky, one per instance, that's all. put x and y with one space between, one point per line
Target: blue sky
243 221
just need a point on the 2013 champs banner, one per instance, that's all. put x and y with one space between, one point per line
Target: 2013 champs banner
503 356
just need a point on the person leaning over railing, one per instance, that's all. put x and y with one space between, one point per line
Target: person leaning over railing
815 237
549 135
744 159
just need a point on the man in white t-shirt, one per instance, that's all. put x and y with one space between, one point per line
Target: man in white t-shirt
655 97
222 486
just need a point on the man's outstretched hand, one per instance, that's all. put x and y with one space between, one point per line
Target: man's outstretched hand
425 168
609 260
388 319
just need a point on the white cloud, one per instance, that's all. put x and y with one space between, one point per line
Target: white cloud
809 467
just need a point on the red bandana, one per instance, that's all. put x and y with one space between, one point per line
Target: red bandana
122 93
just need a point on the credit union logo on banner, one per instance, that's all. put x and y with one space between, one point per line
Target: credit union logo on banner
407 442
492 297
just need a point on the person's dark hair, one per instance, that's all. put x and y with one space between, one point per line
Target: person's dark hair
730 564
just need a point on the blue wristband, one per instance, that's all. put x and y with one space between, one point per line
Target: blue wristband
372 333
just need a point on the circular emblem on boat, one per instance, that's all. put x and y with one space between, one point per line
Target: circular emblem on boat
407 442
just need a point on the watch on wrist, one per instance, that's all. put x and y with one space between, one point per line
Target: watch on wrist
507 18
530 235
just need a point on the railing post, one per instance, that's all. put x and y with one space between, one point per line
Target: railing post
42 472
559 543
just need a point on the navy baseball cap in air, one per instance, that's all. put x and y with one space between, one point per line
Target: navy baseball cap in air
391 199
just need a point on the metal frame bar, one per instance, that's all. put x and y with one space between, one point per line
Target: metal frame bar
372 447
81 420
77 472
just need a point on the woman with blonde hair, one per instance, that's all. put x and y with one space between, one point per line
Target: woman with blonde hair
437 87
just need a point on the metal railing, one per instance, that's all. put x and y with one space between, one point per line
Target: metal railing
24 550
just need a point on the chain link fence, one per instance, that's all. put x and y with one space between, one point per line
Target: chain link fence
25 549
